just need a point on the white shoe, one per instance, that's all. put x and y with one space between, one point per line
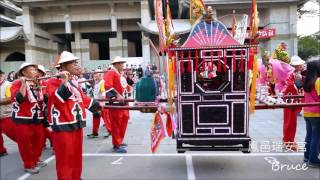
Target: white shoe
34 170
41 164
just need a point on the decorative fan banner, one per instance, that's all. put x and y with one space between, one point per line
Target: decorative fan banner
157 132
212 33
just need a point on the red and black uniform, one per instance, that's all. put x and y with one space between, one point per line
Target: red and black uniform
119 118
290 114
7 126
67 117
45 123
28 116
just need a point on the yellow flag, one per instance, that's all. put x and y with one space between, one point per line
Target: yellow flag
197 9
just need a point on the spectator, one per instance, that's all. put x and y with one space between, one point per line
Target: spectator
11 76
311 88
7 126
139 71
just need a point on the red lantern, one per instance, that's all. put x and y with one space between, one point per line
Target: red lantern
234 60
181 60
197 61
241 62
219 62
212 65
225 61
189 62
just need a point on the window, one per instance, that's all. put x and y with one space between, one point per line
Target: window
134 43
99 44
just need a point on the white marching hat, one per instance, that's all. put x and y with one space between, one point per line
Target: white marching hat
296 60
42 69
24 65
66 56
118 59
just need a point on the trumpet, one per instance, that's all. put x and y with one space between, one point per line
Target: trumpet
59 76
44 78
84 81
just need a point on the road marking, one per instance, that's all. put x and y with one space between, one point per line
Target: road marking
26 175
190 170
117 162
191 154
228 154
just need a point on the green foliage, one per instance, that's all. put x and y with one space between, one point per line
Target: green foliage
309 46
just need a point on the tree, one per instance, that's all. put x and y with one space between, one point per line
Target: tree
309 46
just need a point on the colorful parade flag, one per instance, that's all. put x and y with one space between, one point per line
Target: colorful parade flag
159 20
157 132
254 21
254 25
156 52
197 9
234 24
168 27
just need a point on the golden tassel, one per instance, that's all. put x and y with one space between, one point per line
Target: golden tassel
253 85
170 84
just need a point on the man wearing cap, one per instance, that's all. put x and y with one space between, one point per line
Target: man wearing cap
290 114
6 124
67 116
119 118
98 92
28 117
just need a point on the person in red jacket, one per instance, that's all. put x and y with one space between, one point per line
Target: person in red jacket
67 117
27 115
7 126
43 84
290 114
119 118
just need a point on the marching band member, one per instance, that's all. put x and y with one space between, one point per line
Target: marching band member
67 117
27 115
291 114
97 94
284 76
43 84
6 124
119 118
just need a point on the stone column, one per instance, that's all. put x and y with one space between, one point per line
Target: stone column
68 31
145 19
125 48
293 30
76 45
283 19
28 27
115 44
53 47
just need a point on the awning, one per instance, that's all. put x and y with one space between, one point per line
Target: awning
11 6
181 26
8 34
7 20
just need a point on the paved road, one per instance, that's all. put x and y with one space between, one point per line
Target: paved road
100 163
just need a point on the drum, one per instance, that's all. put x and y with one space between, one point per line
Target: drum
146 90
